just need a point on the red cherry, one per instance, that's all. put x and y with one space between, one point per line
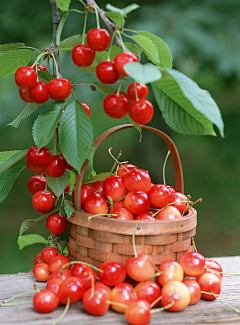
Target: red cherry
98 39
149 291
194 289
38 158
145 216
38 259
213 265
86 191
119 204
36 183
137 202
98 185
59 89
25 77
48 253
122 214
87 109
141 111
193 263
41 67
97 304
85 273
54 285
34 169
172 271
41 272
56 223
138 313
96 204
106 72
58 261
181 206
114 187
100 285
24 94
43 201
123 294
171 189
45 301
169 213
160 195
72 288
122 171
209 282
140 268
123 58
56 166
57 275
113 273
178 293
116 106
83 55
142 91
39 92
137 180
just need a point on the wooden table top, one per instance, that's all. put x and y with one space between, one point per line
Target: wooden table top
204 312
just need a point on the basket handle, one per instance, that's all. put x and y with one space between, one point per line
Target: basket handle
174 153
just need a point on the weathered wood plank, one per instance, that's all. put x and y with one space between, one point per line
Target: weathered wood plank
203 312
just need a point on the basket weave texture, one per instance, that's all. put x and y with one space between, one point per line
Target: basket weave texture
103 239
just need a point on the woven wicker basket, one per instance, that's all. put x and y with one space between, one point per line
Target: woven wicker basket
102 239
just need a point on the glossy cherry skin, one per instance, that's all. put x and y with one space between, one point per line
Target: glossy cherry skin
141 111
116 105
122 171
54 285
38 158
171 189
25 77
59 89
194 289
87 109
213 265
142 91
119 204
41 67
149 291
45 301
98 186
83 55
172 271
56 166
193 263
98 39
85 273
181 206
209 282
48 253
160 195
169 213
56 223
123 294
138 313
106 72
123 58
96 204
178 292
41 272
140 268
36 183
114 187
122 214
34 169
137 180
98 305
56 262
43 201
39 92
86 191
38 259
57 275
24 94
100 285
113 273
73 288
145 216
137 202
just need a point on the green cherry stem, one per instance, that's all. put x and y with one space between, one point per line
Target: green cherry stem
84 27
135 86
220 272
167 206
116 159
79 262
16 303
194 245
19 295
146 252
92 288
226 297
110 46
155 301
120 87
97 17
133 239
120 36
224 303
116 163
164 167
116 303
64 312
102 214
153 311
55 64
149 278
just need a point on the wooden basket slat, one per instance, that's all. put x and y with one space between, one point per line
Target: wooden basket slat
82 250
103 256
83 231
161 249
181 245
128 249
106 236
158 259
161 239
139 240
186 235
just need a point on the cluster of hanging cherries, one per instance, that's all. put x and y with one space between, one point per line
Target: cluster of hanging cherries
116 105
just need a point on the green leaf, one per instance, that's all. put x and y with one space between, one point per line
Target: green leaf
45 76
11 60
72 180
164 53
28 110
60 26
7 180
69 43
143 73
116 18
91 153
27 240
148 46
63 4
46 123
11 158
99 177
106 89
136 125
91 69
68 207
115 50
58 184
123 12
11 46
75 134
88 172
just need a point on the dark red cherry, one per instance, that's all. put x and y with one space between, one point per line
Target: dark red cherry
83 55
59 89
56 166
39 92
141 111
98 39
38 158
137 202
106 72
25 77
24 94
43 201
48 253
87 109
142 91
41 67
116 106
36 183
35 169
56 223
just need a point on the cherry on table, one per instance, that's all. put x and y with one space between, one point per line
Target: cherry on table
193 263
194 289
41 271
172 271
59 89
24 94
178 293
148 291
56 166
96 204
113 273
72 288
25 77
98 39
140 268
96 304
138 313
116 105
106 72
43 201
38 258
45 301
39 92
57 275
36 183
114 187
123 58
138 180
142 91
56 262
209 282
169 213
83 55
48 253
212 266
38 158
137 202
141 111
56 223
54 285
122 294
85 273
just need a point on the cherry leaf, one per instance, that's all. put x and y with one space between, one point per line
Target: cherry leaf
143 73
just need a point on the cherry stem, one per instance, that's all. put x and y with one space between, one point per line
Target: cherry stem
224 303
102 214
149 278
164 166
116 163
135 86
133 239
16 303
194 245
79 262
111 204
36 287
120 87
215 271
97 17
116 303
56 66
92 289
84 27
64 312
146 252
116 159
167 206
98 189
155 301
163 308
19 295
110 46
226 297
120 36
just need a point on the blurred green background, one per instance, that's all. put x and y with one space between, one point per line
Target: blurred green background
204 38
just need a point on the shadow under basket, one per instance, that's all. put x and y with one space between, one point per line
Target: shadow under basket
103 239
